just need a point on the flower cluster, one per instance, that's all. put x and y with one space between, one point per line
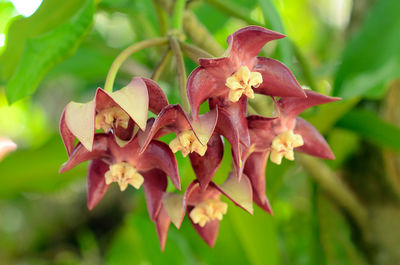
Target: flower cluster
127 150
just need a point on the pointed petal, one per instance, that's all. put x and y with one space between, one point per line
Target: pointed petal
255 170
195 195
278 80
80 154
162 223
157 98
159 155
172 116
240 192
262 131
292 107
201 85
232 124
96 184
133 99
209 232
79 118
247 42
67 137
204 126
206 166
175 207
155 184
314 142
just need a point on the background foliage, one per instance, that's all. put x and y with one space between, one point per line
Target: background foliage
337 212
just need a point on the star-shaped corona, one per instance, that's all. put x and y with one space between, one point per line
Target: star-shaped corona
187 143
113 117
283 145
124 174
242 82
208 210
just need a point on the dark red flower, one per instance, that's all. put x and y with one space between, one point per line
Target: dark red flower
124 165
118 111
228 81
278 137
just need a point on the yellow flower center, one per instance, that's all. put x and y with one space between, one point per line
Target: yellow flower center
242 82
208 210
111 117
283 144
124 173
187 142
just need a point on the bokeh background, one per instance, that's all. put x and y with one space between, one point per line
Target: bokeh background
340 212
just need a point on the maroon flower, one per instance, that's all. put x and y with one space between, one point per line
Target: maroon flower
118 111
191 136
124 165
278 137
225 80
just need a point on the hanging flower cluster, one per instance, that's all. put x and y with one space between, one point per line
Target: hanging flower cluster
127 150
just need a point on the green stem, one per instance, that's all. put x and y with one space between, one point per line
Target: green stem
180 65
161 65
305 67
177 18
161 17
194 52
121 58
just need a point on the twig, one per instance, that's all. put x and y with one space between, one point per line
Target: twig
162 64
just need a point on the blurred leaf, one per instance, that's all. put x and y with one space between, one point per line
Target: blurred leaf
274 22
42 52
369 125
373 55
36 170
344 143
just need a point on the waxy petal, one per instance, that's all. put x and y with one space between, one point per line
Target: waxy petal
155 184
262 131
157 98
204 126
133 99
159 155
247 42
232 124
278 80
67 136
206 166
96 184
201 85
81 154
175 207
240 192
162 223
291 107
314 142
255 170
79 119
209 232
195 195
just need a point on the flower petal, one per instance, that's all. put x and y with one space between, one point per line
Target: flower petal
262 131
247 42
79 119
240 192
278 80
201 85
162 223
291 107
157 98
155 184
206 166
96 184
133 99
80 154
209 232
314 142
67 137
204 126
159 155
255 170
175 207
232 124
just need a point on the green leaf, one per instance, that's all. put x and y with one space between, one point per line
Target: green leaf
274 22
369 125
43 52
373 55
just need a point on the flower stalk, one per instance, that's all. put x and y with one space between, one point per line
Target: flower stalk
161 65
124 55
